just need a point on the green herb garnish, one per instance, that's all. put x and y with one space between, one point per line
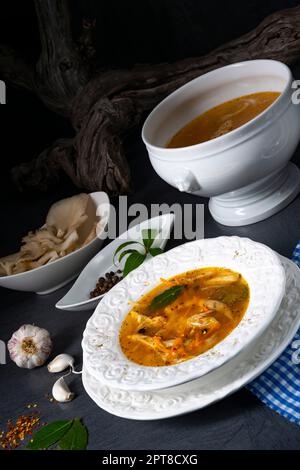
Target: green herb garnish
133 261
76 438
66 434
135 257
230 295
166 297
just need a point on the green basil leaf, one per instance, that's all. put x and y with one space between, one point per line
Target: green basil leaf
166 297
76 438
155 251
49 435
126 252
148 237
133 261
123 245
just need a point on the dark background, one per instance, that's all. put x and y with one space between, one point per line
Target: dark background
127 32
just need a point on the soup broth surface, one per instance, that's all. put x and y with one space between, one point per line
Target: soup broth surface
184 316
223 118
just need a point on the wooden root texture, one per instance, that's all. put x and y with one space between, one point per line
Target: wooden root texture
103 106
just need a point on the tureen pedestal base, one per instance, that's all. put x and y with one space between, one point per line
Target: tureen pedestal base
259 200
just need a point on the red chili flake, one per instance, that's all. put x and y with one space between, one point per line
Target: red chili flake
16 432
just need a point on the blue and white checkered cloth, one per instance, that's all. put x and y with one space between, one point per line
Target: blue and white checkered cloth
279 386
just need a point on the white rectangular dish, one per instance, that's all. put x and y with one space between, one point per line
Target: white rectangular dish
78 297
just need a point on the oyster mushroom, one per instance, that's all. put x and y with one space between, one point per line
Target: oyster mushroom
151 325
67 215
202 322
7 264
63 232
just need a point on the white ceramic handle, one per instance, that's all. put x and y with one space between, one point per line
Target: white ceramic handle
186 182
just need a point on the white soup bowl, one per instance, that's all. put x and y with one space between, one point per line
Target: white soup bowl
245 172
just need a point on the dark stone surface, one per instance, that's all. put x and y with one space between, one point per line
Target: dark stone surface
240 421
237 422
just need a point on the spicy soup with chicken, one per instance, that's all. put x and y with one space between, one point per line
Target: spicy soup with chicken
184 316
223 118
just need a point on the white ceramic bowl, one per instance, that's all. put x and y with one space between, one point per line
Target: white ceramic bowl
52 276
260 266
78 297
244 171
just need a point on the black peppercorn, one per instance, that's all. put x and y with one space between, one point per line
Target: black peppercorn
106 282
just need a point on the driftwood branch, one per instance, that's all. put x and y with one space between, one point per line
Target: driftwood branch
105 106
60 72
14 70
45 170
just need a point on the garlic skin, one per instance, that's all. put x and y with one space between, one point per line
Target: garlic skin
60 363
29 346
61 391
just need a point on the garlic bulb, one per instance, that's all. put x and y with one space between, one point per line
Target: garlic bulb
29 346
60 363
61 391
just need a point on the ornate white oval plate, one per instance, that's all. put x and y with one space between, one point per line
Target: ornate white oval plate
220 383
259 265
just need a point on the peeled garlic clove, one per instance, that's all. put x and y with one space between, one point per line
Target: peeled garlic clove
61 391
60 363
29 346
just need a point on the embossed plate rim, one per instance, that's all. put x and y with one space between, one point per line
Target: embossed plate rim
144 410
260 266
